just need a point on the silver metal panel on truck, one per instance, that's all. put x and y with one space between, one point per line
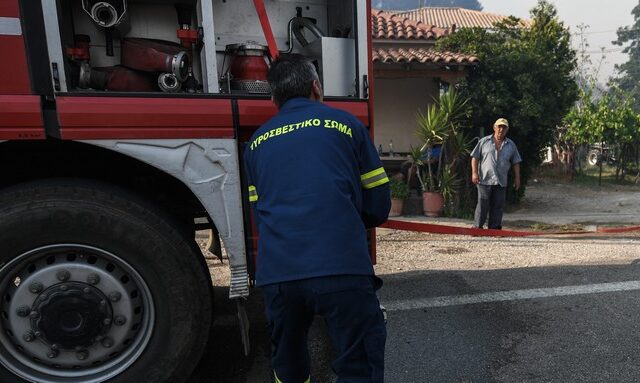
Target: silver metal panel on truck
337 65
209 167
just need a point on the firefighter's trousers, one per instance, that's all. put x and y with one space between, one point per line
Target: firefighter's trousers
355 324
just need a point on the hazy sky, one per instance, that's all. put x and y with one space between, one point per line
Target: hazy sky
602 17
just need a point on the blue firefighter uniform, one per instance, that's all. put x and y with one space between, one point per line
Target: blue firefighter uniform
316 183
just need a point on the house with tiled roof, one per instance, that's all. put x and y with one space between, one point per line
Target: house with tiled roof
449 17
408 74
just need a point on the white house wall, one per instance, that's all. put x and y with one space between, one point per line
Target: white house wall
396 103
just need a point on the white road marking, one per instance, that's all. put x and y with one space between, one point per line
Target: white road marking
10 26
513 295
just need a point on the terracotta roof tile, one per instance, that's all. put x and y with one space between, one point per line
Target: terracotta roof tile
454 17
421 55
386 25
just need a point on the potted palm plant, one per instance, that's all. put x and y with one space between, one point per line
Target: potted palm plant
399 193
443 146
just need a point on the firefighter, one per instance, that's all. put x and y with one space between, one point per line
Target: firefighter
316 184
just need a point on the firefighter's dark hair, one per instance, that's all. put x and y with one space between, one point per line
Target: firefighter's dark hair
291 76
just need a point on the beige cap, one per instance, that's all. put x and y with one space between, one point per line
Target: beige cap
501 121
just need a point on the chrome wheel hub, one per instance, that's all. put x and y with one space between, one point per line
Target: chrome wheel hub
72 312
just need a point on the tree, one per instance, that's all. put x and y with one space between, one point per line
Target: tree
629 78
525 75
413 4
568 151
609 119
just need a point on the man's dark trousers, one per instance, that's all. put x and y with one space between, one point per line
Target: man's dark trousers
355 324
491 199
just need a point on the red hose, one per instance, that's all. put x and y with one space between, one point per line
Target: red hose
445 229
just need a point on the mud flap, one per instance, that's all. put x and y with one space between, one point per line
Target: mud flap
243 319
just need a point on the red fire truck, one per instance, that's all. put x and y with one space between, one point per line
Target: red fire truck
122 127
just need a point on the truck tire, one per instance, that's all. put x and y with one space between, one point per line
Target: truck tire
594 157
97 286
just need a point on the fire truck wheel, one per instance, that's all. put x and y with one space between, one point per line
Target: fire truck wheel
97 286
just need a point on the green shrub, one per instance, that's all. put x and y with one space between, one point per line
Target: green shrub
399 189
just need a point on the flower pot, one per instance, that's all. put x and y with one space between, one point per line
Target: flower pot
432 204
396 207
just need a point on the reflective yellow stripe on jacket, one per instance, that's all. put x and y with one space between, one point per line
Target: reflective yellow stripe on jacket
374 178
253 194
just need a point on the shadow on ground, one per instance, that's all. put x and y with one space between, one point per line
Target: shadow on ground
524 340
224 360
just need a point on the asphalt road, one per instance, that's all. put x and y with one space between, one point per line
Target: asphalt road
568 323
588 337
